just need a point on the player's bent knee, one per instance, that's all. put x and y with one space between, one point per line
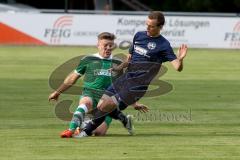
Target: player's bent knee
106 104
99 133
101 130
102 107
87 101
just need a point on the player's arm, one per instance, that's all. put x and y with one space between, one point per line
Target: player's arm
68 82
123 65
178 63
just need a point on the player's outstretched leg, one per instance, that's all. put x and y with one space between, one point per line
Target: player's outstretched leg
127 121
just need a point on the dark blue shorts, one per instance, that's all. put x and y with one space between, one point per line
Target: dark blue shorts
126 92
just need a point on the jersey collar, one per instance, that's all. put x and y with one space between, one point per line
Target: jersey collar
99 56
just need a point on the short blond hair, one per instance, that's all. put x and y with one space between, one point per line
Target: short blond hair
106 35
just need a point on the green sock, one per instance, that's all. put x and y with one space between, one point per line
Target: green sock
77 119
108 121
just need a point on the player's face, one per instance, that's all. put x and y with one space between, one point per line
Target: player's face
105 47
152 28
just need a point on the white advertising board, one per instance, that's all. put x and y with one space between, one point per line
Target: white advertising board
75 29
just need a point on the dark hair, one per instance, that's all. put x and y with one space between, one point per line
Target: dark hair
158 16
106 35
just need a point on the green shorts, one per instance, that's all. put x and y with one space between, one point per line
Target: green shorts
95 96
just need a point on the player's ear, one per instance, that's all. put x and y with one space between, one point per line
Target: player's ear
161 27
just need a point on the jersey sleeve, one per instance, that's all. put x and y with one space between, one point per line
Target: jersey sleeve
132 45
81 68
169 54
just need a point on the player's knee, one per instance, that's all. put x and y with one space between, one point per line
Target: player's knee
99 133
101 130
106 104
102 106
87 101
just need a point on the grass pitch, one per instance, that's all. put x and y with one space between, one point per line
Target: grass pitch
198 120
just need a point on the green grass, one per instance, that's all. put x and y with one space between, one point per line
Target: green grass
198 120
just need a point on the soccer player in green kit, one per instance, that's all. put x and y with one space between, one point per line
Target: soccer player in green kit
98 75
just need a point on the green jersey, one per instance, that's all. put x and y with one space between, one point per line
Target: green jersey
96 71
97 77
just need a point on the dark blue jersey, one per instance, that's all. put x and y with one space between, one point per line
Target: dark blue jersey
150 49
148 53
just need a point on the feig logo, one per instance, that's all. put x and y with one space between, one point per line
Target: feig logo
234 36
59 30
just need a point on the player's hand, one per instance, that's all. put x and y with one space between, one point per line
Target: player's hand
54 96
182 51
140 107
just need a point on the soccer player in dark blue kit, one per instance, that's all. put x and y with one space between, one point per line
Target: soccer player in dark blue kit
146 55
